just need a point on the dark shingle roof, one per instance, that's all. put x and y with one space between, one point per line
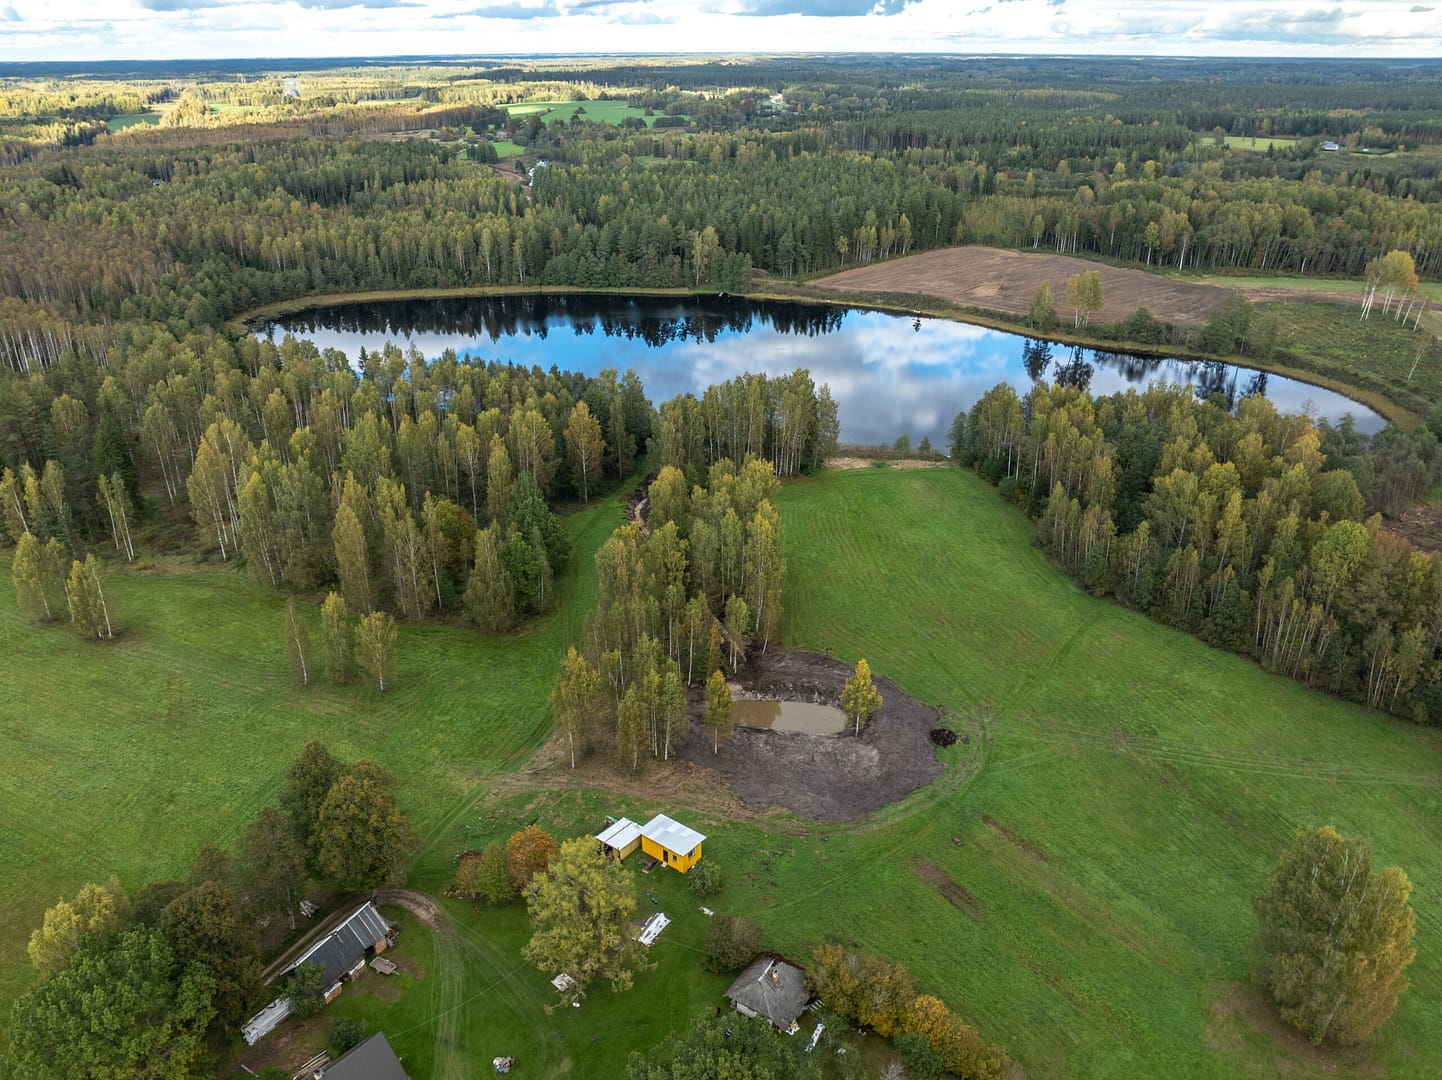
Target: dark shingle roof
772 988
346 945
371 1060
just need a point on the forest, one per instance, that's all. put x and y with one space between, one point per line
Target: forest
147 213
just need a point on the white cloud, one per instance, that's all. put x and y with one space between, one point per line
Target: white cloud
69 29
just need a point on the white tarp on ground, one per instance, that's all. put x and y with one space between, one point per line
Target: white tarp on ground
652 928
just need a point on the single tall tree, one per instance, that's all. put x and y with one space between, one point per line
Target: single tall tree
585 447
581 910
375 647
307 783
718 710
85 594
96 912
297 644
335 638
270 865
34 572
361 839
860 699
528 853
574 700
1334 937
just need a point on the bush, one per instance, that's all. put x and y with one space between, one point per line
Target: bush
705 878
732 942
306 990
347 1034
919 1056
943 736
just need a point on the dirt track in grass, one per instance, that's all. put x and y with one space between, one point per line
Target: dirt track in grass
827 777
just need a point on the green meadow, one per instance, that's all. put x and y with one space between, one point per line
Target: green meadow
605 112
120 123
1077 884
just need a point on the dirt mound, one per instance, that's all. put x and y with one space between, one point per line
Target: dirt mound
997 280
828 777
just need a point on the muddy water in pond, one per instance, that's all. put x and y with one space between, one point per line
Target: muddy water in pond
799 716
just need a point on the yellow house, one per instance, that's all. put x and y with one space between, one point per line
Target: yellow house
671 842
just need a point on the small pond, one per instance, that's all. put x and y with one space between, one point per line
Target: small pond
804 717
890 374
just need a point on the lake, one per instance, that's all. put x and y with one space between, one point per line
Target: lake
890 374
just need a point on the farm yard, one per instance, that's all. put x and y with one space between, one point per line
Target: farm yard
1135 953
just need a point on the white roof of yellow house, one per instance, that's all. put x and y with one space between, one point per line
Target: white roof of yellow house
671 835
619 834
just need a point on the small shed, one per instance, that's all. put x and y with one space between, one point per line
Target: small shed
620 838
773 988
671 842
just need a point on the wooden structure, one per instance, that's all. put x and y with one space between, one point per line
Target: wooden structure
671 843
620 838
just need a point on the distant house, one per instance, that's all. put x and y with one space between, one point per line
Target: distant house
342 953
292 88
1330 145
620 838
671 843
772 988
371 1060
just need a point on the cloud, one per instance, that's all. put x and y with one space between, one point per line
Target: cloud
324 5
8 14
824 8
1418 9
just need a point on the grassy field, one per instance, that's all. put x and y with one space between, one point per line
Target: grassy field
120 123
605 112
127 758
1376 355
509 149
1255 142
1083 899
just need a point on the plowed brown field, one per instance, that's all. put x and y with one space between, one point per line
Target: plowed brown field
1006 281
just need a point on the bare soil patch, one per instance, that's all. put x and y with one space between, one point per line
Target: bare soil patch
1242 1013
1422 525
827 777
1015 838
951 890
1005 281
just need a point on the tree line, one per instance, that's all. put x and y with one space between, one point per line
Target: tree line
1257 531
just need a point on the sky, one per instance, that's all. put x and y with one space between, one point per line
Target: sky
76 30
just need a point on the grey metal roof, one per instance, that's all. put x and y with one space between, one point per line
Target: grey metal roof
772 988
371 1060
671 835
346 945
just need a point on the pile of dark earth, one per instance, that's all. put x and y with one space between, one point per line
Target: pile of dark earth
827 777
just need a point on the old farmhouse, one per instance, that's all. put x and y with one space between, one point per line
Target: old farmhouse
772 988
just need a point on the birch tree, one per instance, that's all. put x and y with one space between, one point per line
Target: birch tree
585 447
297 644
1334 937
718 710
574 700
375 647
85 596
860 700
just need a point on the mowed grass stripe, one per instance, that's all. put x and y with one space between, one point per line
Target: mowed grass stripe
1141 785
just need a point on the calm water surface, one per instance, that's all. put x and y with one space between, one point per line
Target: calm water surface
890 374
805 717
